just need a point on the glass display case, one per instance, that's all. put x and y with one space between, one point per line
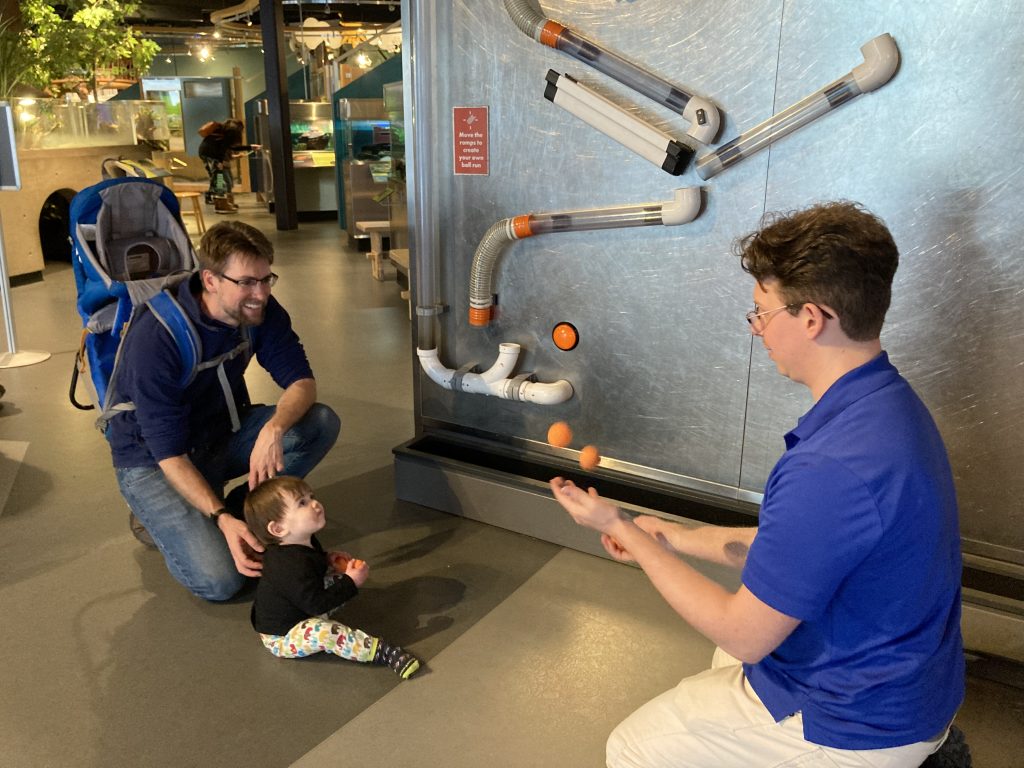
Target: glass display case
60 124
313 156
397 201
365 152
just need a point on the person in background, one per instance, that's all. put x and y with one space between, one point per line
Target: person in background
181 442
842 646
302 584
217 150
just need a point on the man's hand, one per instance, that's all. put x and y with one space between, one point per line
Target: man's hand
267 457
615 549
659 529
586 507
245 548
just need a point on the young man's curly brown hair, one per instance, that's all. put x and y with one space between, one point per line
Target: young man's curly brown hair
835 254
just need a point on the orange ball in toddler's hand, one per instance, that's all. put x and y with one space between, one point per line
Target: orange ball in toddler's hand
339 562
559 434
589 457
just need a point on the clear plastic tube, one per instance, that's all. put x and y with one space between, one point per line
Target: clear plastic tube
683 208
650 85
702 114
605 218
782 124
881 57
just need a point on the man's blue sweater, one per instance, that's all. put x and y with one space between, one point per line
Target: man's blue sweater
169 420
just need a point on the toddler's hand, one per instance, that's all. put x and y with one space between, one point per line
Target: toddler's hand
357 570
338 560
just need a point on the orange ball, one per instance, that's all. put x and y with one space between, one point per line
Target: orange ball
589 457
559 434
565 336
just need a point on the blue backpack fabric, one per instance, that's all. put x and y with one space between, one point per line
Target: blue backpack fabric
130 251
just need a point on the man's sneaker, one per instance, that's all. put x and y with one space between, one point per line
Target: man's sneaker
954 752
403 663
139 530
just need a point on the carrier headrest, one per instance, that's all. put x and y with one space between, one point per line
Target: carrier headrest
139 258
137 237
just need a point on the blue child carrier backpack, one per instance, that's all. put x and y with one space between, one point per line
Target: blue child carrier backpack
130 250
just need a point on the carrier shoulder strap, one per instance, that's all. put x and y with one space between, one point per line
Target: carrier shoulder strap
172 316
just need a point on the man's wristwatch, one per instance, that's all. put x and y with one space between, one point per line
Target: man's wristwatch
218 512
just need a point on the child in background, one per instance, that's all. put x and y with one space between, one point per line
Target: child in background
296 593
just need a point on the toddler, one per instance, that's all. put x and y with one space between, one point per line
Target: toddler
296 592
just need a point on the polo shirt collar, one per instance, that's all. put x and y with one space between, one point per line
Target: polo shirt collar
849 388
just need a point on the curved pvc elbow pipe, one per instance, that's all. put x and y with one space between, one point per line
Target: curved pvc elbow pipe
881 57
543 393
497 381
683 208
705 120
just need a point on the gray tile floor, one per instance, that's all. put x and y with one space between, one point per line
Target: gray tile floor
532 652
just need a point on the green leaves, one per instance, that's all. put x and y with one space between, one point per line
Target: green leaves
88 35
15 59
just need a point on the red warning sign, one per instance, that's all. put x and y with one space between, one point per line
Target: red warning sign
471 141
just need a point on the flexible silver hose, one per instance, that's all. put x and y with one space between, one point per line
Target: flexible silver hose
487 253
527 17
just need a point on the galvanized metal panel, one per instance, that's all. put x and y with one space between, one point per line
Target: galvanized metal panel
932 153
666 378
660 372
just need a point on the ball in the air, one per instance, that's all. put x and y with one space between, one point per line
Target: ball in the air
559 434
589 457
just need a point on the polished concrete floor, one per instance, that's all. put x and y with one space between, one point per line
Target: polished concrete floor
532 652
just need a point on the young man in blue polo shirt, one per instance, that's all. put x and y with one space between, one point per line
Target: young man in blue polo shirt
842 646
179 445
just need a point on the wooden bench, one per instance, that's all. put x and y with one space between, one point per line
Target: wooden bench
381 267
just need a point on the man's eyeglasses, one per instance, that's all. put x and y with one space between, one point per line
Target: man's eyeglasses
249 283
758 321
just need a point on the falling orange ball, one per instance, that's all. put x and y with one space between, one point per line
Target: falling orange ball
559 434
589 457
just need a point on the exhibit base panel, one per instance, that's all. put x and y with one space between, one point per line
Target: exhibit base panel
525 507
511 492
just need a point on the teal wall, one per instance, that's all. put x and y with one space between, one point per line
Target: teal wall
371 85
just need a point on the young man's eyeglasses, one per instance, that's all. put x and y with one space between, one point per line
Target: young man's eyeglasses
758 321
249 283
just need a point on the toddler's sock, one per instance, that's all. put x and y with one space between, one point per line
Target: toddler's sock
402 662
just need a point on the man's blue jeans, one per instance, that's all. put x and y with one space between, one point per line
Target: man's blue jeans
193 547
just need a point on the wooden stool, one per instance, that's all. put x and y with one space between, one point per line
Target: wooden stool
381 267
197 208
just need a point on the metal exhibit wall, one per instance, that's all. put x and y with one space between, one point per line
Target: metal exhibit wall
666 378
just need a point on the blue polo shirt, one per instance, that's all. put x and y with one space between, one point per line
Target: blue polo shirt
858 539
171 420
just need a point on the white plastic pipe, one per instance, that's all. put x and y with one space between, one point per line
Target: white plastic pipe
613 121
881 57
496 381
